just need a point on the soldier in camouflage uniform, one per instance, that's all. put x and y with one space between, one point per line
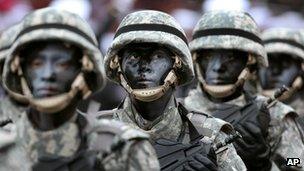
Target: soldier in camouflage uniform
49 66
285 50
226 50
149 57
9 108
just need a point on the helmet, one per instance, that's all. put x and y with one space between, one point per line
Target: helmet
6 40
150 26
228 30
285 40
47 24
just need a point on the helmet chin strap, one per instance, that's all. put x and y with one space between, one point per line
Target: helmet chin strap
295 87
148 94
55 103
221 91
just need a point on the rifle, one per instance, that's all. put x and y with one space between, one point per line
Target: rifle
277 94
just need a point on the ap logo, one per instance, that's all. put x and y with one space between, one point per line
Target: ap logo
292 161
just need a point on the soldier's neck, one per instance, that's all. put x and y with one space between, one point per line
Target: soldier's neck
46 121
152 110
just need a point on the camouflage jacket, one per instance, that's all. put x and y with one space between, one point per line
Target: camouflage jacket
297 104
171 126
282 128
110 143
9 109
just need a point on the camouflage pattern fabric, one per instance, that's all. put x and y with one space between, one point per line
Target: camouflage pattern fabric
31 144
277 40
297 104
169 40
235 20
7 38
170 125
282 126
10 110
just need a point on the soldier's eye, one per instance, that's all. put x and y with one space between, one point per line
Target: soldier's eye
64 65
231 57
132 57
156 56
36 63
207 57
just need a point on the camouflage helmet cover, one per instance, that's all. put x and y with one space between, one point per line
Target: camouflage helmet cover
7 38
52 24
150 26
284 40
228 30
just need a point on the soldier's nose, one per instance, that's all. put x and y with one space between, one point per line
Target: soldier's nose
48 73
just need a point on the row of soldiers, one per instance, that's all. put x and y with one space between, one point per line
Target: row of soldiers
51 62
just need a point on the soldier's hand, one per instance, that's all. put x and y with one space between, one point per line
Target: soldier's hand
253 147
202 161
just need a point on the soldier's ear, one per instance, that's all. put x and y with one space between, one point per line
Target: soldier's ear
115 62
252 63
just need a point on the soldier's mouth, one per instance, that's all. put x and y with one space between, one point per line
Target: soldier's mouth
47 91
215 81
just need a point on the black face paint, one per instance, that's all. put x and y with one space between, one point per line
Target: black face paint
145 65
50 67
220 67
282 70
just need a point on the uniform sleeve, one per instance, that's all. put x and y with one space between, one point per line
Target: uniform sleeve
136 155
142 157
227 158
291 144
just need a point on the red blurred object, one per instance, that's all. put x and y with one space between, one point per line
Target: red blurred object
36 4
6 5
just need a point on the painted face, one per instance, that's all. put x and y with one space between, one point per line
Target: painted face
146 65
282 70
50 67
220 67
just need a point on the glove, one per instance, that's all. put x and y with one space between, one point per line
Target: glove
202 161
253 147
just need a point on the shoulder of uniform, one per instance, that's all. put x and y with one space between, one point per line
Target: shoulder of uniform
209 124
118 129
107 114
278 110
108 136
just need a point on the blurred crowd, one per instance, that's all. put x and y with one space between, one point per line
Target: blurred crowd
105 15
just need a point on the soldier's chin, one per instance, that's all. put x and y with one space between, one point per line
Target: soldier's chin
45 94
145 84
217 82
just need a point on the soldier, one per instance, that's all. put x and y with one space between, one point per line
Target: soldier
149 57
285 51
226 50
9 108
52 64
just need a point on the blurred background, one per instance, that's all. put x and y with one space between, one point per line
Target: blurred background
105 15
